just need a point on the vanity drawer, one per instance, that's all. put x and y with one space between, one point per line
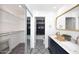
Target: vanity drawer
52 43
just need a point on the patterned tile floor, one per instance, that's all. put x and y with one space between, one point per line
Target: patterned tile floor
39 48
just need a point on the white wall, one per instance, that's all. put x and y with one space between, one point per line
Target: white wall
9 22
60 23
32 36
49 23
14 25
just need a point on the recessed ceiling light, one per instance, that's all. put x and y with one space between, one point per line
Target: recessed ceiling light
20 6
54 7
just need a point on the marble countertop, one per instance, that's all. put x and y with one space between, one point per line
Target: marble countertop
68 46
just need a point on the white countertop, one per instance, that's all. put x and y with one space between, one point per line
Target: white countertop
68 46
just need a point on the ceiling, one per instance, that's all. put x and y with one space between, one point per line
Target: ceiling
14 9
45 7
17 10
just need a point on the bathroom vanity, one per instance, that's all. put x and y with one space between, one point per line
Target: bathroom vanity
62 47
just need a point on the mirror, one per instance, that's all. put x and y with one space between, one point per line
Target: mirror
70 23
69 20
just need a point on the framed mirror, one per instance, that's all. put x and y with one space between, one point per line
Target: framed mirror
69 20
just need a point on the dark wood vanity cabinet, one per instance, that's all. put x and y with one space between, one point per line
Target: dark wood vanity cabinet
54 48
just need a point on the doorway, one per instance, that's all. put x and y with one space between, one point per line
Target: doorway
40 34
40 37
